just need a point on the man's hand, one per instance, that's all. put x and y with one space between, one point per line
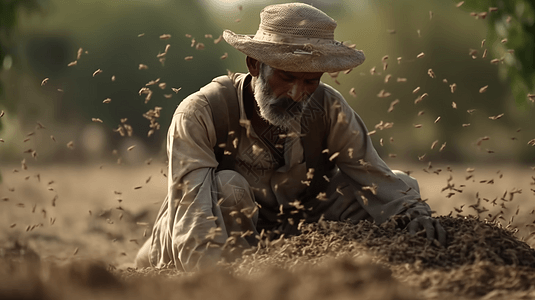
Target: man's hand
432 228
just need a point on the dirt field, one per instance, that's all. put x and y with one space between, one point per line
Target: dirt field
79 228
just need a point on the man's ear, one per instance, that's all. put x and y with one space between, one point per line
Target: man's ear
253 65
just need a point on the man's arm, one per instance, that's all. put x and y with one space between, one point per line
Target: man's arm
363 167
183 231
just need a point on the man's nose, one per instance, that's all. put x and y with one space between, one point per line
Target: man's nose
296 92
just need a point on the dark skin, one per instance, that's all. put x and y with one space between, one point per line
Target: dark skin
296 85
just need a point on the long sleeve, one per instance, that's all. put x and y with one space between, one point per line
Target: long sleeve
359 162
185 226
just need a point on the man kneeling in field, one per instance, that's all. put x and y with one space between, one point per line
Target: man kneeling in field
255 154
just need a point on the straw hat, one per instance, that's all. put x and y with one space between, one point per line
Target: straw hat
296 37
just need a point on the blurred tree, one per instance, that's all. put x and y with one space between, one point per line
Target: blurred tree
8 21
126 40
511 38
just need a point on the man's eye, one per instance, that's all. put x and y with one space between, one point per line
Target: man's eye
287 79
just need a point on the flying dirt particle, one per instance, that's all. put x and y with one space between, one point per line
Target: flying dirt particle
418 126
70 145
454 105
352 92
137 187
143 67
79 53
140 35
430 15
219 39
473 53
224 56
334 156
497 116
131 148
531 142
106 101
97 72
416 90
162 85
453 87
199 46
96 120
433 145
493 9
53 138
483 89
484 54
495 61
2 113
372 71
387 78
420 55
392 104
73 63
466 125
431 73
399 60
383 94
12 225
421 112
45 81
391 31
442 147
113 78
400 79
165 36
437 119
188 58
75 251
176 90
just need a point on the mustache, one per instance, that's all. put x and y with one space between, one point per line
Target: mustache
286 102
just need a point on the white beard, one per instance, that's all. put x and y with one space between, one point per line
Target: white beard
276 111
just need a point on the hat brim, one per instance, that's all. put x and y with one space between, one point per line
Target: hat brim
331 57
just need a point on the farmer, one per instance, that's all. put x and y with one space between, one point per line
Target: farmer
253 155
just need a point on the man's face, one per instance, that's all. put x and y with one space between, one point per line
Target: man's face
281 95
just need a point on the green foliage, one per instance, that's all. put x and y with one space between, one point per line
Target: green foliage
8 21
514 20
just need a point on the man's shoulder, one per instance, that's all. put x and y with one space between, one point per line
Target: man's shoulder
213 90
333 98
331 92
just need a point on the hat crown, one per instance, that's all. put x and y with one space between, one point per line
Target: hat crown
297 19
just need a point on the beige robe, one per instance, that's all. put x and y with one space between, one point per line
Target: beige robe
185 226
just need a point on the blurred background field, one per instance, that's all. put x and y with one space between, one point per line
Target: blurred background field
116 37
